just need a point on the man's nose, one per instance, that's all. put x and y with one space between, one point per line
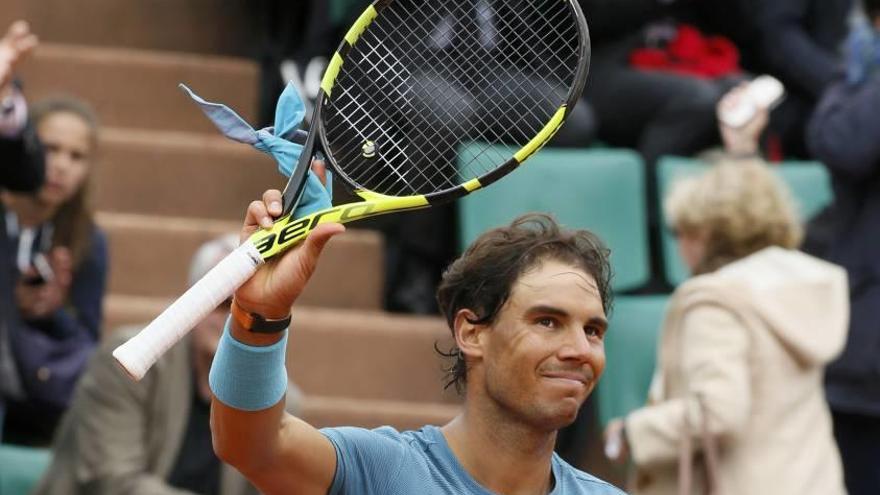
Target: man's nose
577 345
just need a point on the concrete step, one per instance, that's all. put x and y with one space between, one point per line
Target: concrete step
369 355
179 174
227 27
10 11
137 88
345 353
150 255
122 309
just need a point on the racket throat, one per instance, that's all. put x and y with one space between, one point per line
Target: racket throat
293 191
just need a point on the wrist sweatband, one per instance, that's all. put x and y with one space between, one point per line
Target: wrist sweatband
246 377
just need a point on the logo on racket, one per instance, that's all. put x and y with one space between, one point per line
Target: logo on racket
295 229
369 149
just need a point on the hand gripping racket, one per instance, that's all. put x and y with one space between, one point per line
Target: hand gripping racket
411 82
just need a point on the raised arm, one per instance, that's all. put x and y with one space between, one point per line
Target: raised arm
276 451
21 159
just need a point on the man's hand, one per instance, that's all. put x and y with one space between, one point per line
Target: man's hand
276 285
15 46
745 139
616 448
36 302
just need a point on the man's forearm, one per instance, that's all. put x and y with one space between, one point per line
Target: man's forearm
242 438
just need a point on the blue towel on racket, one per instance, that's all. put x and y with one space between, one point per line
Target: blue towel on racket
277 141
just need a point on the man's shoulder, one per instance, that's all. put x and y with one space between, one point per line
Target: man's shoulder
580 482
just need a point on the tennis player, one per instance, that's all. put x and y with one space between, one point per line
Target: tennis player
526 304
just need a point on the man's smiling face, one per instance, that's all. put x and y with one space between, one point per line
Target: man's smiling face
543 354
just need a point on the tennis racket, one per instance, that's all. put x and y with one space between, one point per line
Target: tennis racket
411 82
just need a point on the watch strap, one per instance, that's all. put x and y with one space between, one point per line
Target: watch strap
256 323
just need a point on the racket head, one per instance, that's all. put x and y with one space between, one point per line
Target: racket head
412 80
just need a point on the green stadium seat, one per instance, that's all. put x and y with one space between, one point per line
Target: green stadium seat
598 189
630 354
809 182
21 468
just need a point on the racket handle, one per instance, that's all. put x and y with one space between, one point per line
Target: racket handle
140 353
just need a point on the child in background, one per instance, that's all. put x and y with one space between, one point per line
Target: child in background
60 257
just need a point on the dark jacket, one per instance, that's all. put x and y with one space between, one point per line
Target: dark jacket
60 344
799 41
612 20
796 41
21 169
21 162
845 134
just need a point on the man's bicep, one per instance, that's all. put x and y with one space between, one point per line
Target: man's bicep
306 461
368 462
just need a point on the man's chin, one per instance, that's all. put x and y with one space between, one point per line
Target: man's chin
563 414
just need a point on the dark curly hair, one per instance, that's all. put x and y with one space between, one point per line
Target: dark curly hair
482 278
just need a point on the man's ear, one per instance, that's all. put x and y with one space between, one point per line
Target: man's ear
467 334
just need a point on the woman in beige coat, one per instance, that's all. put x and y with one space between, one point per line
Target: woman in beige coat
743 347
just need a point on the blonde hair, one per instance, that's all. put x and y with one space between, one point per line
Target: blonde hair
740 207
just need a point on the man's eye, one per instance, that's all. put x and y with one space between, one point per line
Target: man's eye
547 322
592 331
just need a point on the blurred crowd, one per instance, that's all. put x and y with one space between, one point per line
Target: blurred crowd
769 357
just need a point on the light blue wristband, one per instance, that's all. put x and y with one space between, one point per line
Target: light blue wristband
250 378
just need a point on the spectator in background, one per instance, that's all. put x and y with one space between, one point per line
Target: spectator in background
152 436
657 108
742 321
844 133
59 256
21 169
796 41
743 347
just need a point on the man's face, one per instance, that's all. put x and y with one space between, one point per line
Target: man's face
544 353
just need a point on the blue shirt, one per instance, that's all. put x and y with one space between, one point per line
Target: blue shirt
387 462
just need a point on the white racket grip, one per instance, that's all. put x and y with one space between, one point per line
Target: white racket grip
140 353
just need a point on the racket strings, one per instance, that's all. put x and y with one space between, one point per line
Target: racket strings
427 76
488 110
380 119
